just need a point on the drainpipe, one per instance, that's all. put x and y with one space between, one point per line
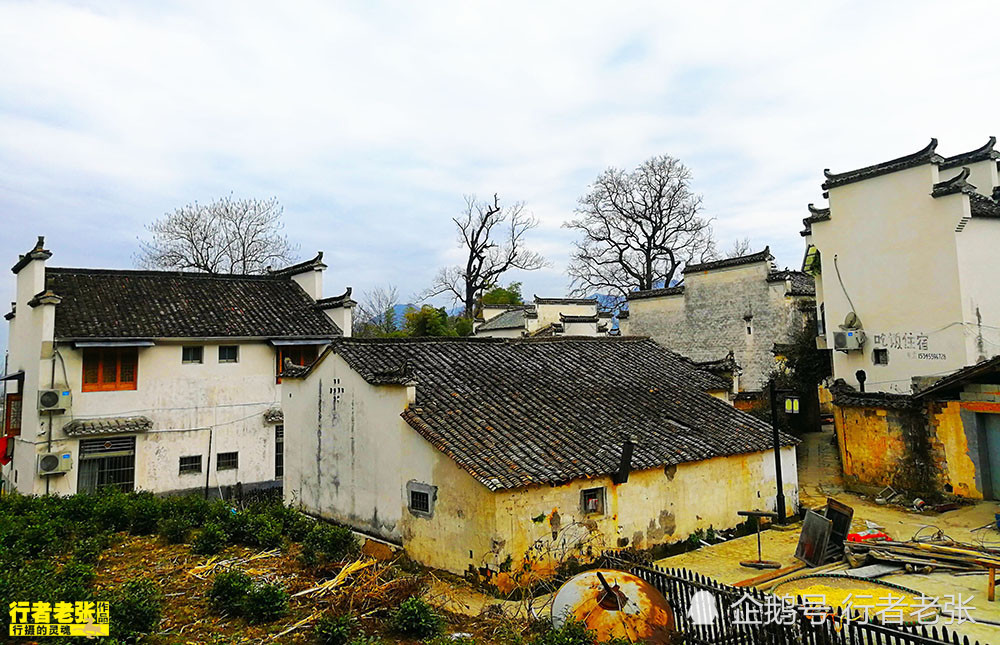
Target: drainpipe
208 458
780 499
48 441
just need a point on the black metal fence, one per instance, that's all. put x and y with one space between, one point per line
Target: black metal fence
724 615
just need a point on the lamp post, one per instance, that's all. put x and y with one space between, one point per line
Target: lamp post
791 407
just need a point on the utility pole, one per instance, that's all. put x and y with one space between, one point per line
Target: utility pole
780 499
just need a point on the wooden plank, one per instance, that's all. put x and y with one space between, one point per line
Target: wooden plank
771 575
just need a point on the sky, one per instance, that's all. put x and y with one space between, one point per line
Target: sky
369 121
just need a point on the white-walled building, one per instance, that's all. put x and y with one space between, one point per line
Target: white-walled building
906 266
741 307
160 381
486 455
544 317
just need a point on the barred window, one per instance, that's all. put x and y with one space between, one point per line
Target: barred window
227 460
190 464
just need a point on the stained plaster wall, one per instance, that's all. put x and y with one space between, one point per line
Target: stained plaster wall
544 524
190 406
706 321
898 255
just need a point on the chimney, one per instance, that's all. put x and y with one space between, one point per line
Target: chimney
625 465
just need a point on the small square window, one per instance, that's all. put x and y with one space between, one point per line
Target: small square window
592 501
227 461
229 353
193 354
191 464
420 501
880 356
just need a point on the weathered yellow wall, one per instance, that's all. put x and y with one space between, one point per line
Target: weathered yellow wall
870 450
540 526
951 443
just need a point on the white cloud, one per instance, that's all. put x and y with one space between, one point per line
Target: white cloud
369 121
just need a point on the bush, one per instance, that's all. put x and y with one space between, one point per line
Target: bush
335 630
294 524
416 618
89 549
326 543
136 608
229 589
144 513
265 603
174 529
74 581
263 531
210 540
573 632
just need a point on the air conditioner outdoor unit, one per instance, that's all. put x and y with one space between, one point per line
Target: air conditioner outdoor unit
54 463
847 341
53 400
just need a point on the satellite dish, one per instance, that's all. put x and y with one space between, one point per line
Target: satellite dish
615 604
851 321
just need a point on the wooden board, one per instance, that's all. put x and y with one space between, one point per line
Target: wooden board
814 538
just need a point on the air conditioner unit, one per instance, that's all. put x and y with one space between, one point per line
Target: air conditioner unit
848 341
54 463
53 400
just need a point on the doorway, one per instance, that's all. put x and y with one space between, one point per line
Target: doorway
989 425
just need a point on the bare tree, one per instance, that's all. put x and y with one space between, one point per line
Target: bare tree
739 247
375 314
228 235
493 239
638 229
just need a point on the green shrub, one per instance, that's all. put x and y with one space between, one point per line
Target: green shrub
573 632
229 590
265 603
335 630
74 580
210 540
144 513
326 543
294 524
39 536
263 531
136 608
414 617
174 530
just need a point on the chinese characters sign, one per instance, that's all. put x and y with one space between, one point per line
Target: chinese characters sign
84 618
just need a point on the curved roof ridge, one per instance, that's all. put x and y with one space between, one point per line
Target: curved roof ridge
956 184
982 153
750 258
926 154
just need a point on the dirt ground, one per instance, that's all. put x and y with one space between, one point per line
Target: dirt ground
818 478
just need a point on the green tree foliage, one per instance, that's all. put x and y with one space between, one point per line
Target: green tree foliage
509 295
428 321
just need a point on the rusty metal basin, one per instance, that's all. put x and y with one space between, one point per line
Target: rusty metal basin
615 604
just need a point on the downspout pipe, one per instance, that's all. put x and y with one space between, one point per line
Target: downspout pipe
625 463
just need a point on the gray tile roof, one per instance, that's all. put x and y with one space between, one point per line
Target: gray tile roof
105 303
762 256
107 425
510 319
922 156
956 184
520 412
802 284
979 154
983 206
655 293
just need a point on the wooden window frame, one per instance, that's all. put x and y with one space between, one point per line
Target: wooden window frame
100 355
13 402
201 354
597 493
236 359
303 355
